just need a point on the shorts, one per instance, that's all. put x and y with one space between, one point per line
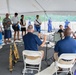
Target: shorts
7 34
38 28
15 28
23 29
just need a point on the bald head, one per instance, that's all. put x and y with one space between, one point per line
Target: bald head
30 28
67 32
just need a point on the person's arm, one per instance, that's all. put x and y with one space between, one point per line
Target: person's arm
74 35
55 56
35 22
44 41
9 22
24 24
39 42
3 23
56 51
17 21
20 22
0 28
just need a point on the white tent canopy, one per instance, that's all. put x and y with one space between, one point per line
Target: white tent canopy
61 7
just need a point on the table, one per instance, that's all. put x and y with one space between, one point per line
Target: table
48 44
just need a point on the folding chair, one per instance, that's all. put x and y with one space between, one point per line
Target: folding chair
57 37
65 61
32 58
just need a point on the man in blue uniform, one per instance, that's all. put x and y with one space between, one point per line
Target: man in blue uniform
49 25
66 24
67 45
32 41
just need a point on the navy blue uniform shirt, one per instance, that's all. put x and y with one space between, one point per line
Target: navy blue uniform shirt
67 45
31 41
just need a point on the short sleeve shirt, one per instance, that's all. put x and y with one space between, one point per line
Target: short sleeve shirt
67 45
5 23
37 21
14 20
31 41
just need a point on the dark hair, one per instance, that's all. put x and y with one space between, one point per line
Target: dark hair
16 14
37 15
22 15
60 25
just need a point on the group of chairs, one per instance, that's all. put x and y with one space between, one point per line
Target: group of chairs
66 61
32 61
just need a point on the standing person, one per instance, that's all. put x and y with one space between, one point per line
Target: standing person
15 26
61 31
7 29
23 25
37 24
49 25
66 23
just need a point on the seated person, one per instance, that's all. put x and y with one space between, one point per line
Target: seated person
32 41
67 45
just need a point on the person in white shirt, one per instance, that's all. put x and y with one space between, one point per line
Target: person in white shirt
23 25
15 26
37 24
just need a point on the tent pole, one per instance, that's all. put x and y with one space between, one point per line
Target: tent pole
8 6
44 28
45 15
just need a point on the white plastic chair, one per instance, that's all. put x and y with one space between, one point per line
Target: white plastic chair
66 61
1 46
57 37
32 58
